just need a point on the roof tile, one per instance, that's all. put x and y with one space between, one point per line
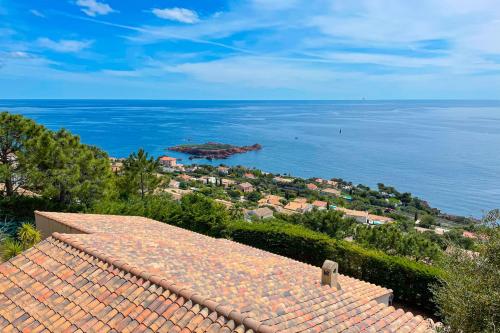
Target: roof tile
81 282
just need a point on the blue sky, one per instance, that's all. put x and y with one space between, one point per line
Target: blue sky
255 49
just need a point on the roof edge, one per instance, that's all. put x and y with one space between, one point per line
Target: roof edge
223 310
47 216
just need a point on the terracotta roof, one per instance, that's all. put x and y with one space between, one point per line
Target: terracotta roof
311 186
167 158
351 212
122 271
62 285
319 203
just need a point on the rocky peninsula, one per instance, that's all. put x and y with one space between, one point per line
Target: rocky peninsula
213 150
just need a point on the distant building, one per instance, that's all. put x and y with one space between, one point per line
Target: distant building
273 200
278 179
223 170
312 187
331 192
320 205
299 207
441 231
249 175
208 180
365 217
227 182
167 161
378 219
246 187
259 213
468 234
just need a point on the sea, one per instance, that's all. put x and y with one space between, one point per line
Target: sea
445 152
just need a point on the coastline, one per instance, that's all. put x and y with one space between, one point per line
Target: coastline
418 146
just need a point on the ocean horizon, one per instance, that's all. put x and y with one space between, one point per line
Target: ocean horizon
443 151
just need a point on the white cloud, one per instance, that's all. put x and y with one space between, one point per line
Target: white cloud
64 45
37 13
94 8
177 14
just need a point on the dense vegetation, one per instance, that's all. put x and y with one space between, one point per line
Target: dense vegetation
391 239
63 174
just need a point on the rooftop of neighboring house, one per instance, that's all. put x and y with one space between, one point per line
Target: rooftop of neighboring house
167 158
318 203
352 212
127 273
245 185
380 218
312 186
271 199
296 205
331 191
261 212
282 179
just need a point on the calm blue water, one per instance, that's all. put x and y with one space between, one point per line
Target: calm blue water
447 152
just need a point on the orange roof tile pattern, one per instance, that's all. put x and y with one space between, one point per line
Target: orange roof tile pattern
55 287
270 292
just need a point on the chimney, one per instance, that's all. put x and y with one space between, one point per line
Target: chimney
330 274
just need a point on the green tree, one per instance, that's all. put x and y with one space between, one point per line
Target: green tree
201 214
67 171
16 133
140 174
468 296
427 221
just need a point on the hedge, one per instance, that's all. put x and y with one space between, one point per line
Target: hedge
409 280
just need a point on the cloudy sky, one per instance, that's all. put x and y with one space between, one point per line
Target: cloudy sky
255 49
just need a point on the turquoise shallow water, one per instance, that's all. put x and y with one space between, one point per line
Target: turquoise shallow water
446 152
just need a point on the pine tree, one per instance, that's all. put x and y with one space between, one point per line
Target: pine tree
16 132
140 174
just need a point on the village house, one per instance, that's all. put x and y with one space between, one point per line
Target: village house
332 183
365 217
320 205
103 273
299 206
249 175
208 180
168 162
261 213
279 179
311 187
359 216
223 170
227 182
331 192
378 219
246 187
272 200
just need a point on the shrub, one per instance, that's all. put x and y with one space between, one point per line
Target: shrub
409 280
